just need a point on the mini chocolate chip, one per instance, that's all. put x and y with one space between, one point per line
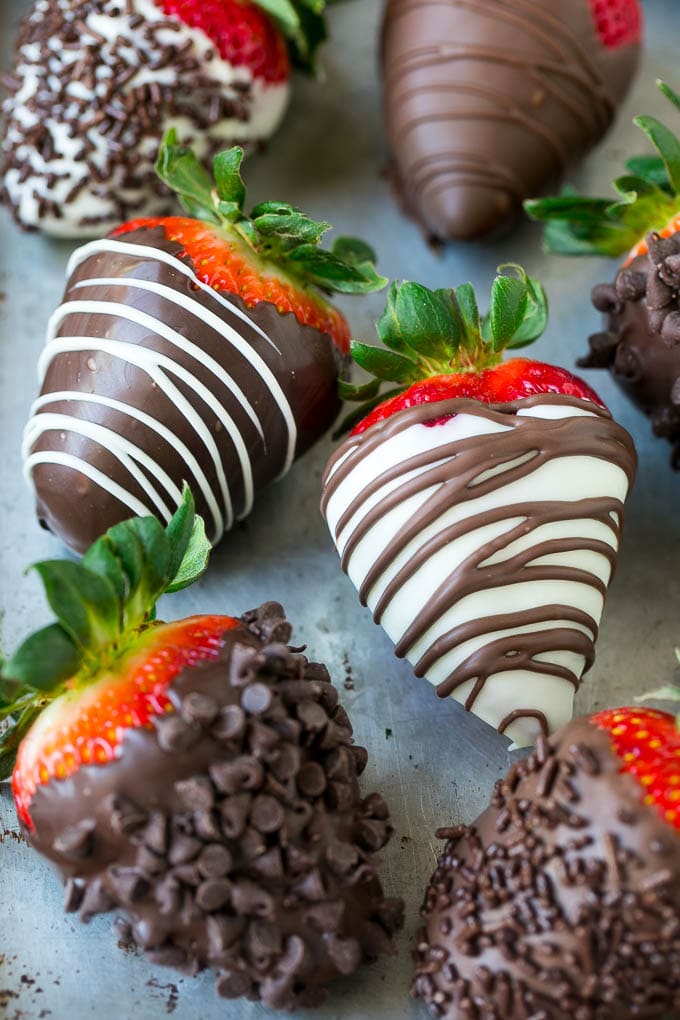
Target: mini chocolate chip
264 939
126 816
213 894
233 984
251 900
234 813
251 844
311 779
244 773
257 698
325 917
261 739
215 861
156 833
670 331
207 826
230 723
312 715
128 884
268 864
390 913
631 285
311 887
96 900
341 796
372 834
341 857
375 806
199 708
285 762
293 958
184 849
266 814
196 794
223 931
346 954
316 671
360 755
188 874
174 734
168 896
76 842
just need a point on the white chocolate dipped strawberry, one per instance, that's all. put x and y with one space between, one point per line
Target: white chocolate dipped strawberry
478 510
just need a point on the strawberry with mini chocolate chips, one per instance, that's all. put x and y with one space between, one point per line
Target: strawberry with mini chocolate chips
562 900
203 346
198 776
640 342
478 507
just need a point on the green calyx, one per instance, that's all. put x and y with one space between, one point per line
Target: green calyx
302 24
669 692
277 232
649 197
100 603
429 333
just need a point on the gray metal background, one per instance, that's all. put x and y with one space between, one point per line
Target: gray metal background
435 764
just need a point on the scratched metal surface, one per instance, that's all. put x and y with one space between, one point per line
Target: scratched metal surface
435 764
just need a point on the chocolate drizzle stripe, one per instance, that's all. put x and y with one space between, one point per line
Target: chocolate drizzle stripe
154 363
136 414
141 251
474 470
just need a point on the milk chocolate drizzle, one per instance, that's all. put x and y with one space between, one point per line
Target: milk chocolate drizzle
498 94
456 472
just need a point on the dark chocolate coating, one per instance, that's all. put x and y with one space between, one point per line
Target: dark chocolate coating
562 901
233 834
487 101
303 361
640 344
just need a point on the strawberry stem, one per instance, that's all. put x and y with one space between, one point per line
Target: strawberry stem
277 232
429 333
649 198
101 604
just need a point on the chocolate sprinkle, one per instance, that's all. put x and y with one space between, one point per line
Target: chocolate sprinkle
235 851
640 344
557 904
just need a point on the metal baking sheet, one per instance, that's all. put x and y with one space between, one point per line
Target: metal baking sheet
435 764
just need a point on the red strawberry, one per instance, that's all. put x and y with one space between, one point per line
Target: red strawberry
243 33
618 22
199 776
640 342
201 348
489 101
484 545
562 900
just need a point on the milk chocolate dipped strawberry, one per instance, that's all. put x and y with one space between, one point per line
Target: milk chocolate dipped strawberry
487 101
640 342
198 777
95 84
563 899
478 510
188 348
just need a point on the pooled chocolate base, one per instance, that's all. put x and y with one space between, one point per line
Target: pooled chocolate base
233 834
562 902
640 344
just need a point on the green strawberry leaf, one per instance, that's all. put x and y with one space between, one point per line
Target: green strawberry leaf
650 198
194 561
668 693
279 233
183 532
227 173
385 365
347 391
85 604
45 659
302 24
180 170
11 738
428 333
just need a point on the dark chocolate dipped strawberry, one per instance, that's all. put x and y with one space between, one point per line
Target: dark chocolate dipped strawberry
198 777
640 342
488 101
202 348
95 85
562 900
478 509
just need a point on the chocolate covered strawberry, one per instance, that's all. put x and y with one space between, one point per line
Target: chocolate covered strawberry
198 777
478 510
563 899
95 84
201 347
488 101
640 342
